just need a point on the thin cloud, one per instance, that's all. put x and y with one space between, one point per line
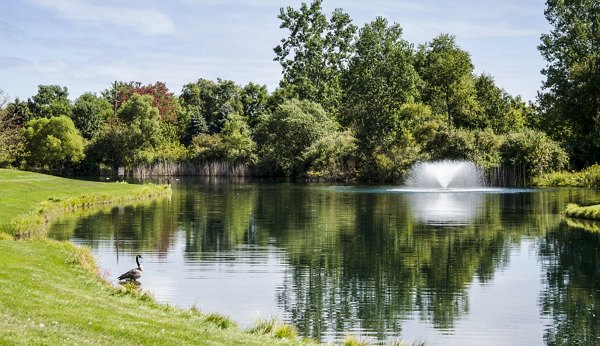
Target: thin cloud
145 21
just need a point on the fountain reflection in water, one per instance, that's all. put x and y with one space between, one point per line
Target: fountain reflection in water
445 174
446 192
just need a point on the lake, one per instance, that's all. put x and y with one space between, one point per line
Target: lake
468 267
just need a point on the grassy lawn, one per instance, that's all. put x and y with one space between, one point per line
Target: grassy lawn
591 212
51 292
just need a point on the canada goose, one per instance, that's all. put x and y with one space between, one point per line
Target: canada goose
134 273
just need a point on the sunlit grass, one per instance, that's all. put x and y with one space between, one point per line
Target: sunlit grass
52 293
590 212
29 202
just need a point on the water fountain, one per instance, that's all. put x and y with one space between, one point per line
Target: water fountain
442 192
445 174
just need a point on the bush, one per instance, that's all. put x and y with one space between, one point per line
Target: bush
284 136
534 151
589 177
479 146
53 144
333 157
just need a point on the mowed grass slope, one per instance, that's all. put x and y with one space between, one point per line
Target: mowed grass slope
21 191
47 297
51 292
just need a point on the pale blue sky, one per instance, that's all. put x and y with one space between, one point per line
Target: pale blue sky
85 45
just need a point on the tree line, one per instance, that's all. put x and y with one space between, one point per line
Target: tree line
353 104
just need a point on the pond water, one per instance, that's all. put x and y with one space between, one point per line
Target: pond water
487 266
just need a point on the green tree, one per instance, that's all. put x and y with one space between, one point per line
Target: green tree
380 79
533 151
448 89
570 99
215 101
234 143
237 140
52 143
254 99
315 53
10 132
285 135
501 111
50 101
89 113
132 137
333 157
18 113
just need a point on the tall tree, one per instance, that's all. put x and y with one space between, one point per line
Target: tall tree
50 101
10 132
315 53
89 113
570 100
284 136
500 111
254 99
447 72
380 79
215 101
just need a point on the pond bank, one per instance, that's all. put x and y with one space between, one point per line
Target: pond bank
52 292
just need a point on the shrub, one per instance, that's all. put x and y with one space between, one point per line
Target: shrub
333 157
534 151
220 321
589 177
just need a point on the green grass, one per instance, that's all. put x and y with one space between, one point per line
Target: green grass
48 297
591 212
51 293
589 177
29 202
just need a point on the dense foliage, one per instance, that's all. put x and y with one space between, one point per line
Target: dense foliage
570 100
353 103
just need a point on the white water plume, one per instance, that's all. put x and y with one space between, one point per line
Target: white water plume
445 174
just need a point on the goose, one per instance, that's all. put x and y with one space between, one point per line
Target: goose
134 273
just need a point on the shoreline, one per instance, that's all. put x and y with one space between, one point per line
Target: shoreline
47 286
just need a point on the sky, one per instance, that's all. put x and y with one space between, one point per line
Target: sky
87 45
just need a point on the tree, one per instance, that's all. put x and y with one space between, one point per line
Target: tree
89 113
315 53
10 132
500 111
132 137
162 98
237 140
52 143
570 99
380 79
234 143
18 113
215 101
143 120
50 101
448 88
284 136
254 100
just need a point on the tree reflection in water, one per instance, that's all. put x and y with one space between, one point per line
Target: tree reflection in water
363 259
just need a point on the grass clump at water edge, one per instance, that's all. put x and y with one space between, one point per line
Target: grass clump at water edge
591 212
589 177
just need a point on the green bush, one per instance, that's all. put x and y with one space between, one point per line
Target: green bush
589 177
479 146
333 157
533 151
284 136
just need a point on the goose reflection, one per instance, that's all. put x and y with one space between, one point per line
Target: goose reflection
446 208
